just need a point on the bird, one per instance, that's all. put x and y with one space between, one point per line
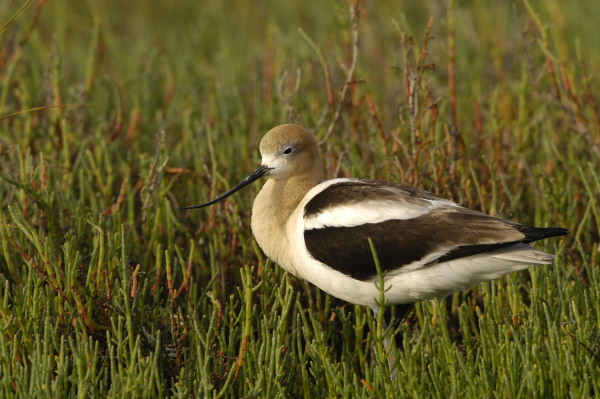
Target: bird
344 235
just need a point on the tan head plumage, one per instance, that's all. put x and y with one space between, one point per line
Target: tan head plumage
292 152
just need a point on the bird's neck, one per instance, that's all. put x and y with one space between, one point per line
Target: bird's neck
283 196
272 211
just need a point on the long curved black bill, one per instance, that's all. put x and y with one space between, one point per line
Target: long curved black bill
257 174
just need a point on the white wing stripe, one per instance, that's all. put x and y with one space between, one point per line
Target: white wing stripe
356 214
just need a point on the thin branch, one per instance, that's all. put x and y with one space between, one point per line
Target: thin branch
42 108
325 66
291 111
354 16
16 15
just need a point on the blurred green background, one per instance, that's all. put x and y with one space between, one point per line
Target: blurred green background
107 290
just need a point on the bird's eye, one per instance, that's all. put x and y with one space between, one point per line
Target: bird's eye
288 150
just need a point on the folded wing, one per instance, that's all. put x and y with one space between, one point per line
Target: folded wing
409 228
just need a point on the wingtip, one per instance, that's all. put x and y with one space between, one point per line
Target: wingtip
539 233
